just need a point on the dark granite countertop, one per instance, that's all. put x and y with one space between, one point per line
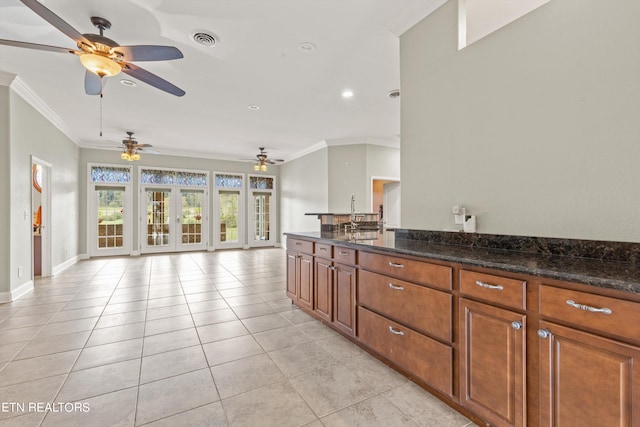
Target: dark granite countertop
618 275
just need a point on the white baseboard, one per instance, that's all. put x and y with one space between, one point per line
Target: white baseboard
278 245
16 293
135 253
83 256
246 247
211 249
68 263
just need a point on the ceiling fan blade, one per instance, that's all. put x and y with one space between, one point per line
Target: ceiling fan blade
38 46
144 145
149 151
92 83
151 79
56 21
149 53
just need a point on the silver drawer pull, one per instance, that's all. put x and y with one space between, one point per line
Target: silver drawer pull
488 286
394 265
574 304
343 253
298 244
397 288
323 249
395 331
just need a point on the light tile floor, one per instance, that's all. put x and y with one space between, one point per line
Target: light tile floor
200 339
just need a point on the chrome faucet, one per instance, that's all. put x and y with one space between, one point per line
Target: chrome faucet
353 208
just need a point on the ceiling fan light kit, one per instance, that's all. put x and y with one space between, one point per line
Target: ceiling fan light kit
100 65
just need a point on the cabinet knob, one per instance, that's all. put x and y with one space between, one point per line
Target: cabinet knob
516 325
543 333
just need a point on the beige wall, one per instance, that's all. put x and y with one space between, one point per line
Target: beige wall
32 134
5 193
533 128
305 188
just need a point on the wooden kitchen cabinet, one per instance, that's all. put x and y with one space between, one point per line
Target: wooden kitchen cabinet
493 363
468 334
493 348
588 378
344 298
323 288
300 272
335 288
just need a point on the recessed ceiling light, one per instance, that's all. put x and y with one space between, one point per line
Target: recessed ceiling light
347 94
307 47
129 83
253 107
205 38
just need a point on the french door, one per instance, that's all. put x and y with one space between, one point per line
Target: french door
175 219
110 219
229 232
262 211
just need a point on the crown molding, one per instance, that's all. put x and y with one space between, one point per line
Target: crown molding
364 141
306 151
6 78
26 93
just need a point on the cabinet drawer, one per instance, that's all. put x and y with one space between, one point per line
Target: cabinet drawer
501 290
323 250
424 273
420 308
344 255
623 320
300 245
418 355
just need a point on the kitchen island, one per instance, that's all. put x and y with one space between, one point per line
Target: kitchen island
496 333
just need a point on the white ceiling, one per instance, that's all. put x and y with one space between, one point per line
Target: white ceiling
258 61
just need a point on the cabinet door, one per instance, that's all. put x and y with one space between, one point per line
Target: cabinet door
587 380
344 298
492 363
323 288
305 281
292 280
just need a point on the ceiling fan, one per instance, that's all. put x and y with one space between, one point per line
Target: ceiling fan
101 56
261 161
131 150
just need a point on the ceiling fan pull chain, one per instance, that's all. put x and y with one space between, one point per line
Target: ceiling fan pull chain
101 109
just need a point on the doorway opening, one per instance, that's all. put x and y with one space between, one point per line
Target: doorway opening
41 217
385 200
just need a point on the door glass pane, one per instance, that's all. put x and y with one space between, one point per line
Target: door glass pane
261 216
158 203
229 203
191 217
110 224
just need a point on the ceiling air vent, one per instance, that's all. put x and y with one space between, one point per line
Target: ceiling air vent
205 39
